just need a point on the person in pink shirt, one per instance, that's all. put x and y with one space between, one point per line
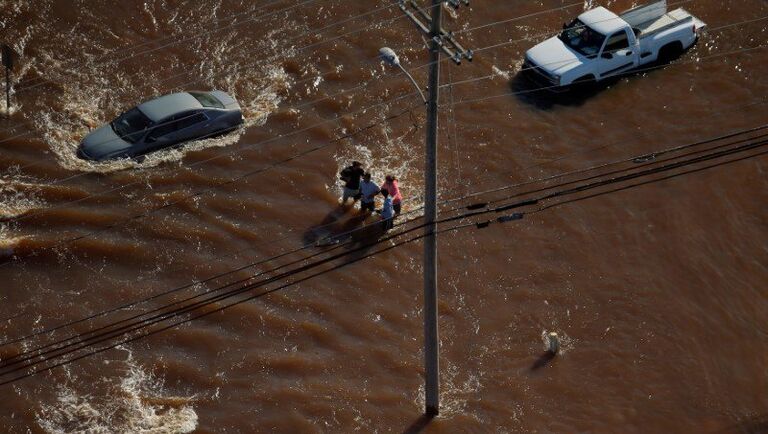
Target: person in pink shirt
390 184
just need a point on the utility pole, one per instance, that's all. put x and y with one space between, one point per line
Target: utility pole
438 39
431 335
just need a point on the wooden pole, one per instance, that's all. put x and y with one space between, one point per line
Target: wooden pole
431 338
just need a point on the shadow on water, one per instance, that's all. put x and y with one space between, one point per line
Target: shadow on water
543 98
419 424
324 231
533 95
542 361
360 230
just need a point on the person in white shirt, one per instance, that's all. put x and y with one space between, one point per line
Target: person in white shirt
368 192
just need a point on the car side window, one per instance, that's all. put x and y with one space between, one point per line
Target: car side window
617 41
165 127
188 120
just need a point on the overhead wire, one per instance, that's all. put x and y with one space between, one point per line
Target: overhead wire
660 152
478 50
197 35
654 155
754 20
634 71
234 179
311 31
460 217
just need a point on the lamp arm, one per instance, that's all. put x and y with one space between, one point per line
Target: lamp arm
423 98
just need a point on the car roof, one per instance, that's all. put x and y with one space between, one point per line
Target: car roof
602 20
167 105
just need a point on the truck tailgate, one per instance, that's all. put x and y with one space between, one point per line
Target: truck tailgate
680 14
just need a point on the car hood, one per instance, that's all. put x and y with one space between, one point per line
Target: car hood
554 56
102 142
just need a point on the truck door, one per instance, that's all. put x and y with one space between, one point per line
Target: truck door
617 55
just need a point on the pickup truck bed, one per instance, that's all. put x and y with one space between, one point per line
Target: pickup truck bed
649 19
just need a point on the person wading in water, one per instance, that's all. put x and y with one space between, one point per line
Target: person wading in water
351 176
390 184
368 192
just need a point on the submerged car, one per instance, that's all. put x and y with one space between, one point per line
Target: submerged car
162 123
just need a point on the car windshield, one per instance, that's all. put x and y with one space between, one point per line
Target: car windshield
581 38
131 125
207 100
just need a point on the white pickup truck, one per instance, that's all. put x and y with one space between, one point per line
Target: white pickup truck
600 44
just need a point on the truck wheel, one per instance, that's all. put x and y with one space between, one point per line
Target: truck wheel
670 52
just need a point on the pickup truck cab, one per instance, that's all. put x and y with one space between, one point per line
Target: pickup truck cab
600 44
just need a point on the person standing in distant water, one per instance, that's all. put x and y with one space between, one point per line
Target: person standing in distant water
390 184
387 212
351 177
368 192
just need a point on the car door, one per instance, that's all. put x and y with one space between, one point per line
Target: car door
617 55
190 126
162 135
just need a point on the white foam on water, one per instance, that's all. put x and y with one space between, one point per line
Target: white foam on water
7 241
93 93
566 342
455 392
18 195
135 403
400 156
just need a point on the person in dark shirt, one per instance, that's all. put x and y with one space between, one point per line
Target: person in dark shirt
351 176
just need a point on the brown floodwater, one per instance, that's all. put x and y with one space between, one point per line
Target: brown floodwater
657 290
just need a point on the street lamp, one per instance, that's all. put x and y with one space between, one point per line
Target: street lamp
389 56
431 338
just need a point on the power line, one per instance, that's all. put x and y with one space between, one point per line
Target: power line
455 103
574 190
196 36
232 180
311 31
462 101
353 260
460 82
631 72
649 157
754 20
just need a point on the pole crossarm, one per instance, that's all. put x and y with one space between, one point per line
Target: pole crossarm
444 39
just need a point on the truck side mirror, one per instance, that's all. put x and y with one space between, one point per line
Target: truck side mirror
607 56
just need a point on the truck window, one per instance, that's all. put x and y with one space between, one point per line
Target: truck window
617 41
581 38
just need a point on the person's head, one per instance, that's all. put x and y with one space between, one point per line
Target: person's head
390 178
367 176
357 164
384 192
